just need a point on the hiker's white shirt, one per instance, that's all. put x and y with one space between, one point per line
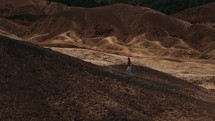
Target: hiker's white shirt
128 69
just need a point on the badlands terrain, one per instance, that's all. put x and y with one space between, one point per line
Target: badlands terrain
68 63
40 84
201 14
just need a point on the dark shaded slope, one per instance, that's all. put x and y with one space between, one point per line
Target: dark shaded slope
165 6
165 82
129 21
10 8
39 84
202 14
201 37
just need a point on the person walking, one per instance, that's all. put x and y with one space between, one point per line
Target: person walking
128 69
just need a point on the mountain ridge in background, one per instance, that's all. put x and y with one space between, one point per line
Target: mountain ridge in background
132 27
165 6
199 15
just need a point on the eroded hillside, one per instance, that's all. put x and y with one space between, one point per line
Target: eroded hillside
40 84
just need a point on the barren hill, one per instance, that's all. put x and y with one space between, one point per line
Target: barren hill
202 14
132 27
165 6
39 84
13 9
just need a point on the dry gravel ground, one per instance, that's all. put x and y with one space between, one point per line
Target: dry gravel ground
40 84
196 71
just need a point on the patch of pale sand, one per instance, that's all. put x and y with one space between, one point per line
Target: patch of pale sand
65 38
194 72
108 40
96 57
208 85
196 77
201 80
143 43
111 44
150 48
35 36
197 71
7 34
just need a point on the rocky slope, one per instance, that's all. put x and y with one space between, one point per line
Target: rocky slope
39 84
